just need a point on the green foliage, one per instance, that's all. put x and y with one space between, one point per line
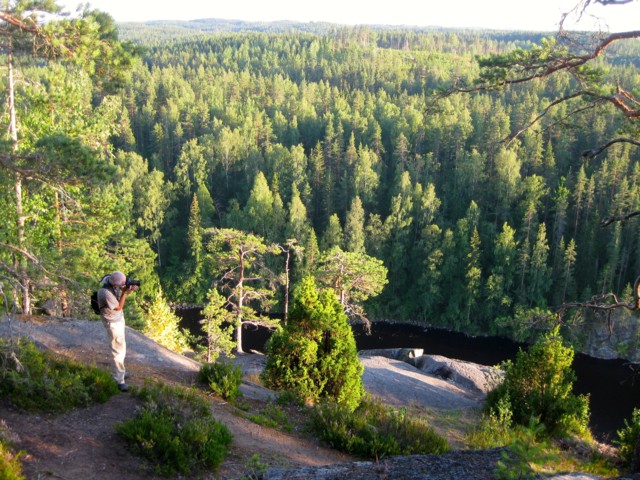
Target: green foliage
374 430
354 276
495 427
174 429
10 466
538 61
62 153
224 379
539 385
255 468
315 354
272 416
628 437
163 326
39 381
334 136
218 336
525 451
526 324
238 259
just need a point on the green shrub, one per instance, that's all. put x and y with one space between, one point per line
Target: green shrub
223 378
175 430
628 437
39 381
539 384
494 429
10 467
525 452
315 354
374 430
255 467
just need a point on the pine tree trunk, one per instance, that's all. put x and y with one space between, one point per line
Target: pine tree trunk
21 264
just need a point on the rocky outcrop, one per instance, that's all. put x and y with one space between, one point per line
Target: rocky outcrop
455 465
471 377
608 335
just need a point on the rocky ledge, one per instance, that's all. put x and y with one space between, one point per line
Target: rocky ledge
455 465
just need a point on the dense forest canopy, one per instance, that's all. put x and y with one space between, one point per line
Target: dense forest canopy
337 137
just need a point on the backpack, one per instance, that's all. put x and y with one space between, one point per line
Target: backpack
94 303
94 298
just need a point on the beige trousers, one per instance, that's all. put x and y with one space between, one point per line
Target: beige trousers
115 332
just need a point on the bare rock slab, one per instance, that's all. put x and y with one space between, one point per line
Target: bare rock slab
455 465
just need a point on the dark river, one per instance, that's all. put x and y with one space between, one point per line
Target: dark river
613 385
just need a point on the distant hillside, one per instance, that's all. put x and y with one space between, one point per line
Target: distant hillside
176 29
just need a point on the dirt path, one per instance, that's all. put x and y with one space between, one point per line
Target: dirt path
83 443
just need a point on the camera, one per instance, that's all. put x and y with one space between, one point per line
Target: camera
131 282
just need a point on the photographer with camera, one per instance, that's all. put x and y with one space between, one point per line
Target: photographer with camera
111 298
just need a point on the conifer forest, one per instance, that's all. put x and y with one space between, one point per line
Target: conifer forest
197 157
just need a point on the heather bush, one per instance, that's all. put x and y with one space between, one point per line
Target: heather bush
223 379
174 429
40 381
374 430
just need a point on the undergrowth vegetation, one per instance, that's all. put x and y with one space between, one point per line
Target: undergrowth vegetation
628 437
375 430
174 429
536 415
272 416
10 467
222 378
539 384
34 380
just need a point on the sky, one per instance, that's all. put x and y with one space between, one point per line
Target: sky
540 15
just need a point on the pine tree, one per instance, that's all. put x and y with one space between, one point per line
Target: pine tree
354 228
539 279
354 277
163 326
297 223
473 274
239 270
311 253
501 284
333 235
217 325
258 211
75 64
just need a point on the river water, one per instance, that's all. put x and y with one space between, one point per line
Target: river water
613 385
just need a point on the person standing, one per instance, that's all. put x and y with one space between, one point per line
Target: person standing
111 298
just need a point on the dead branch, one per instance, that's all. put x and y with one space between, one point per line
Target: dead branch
556 102
618 218
600 302
591 154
